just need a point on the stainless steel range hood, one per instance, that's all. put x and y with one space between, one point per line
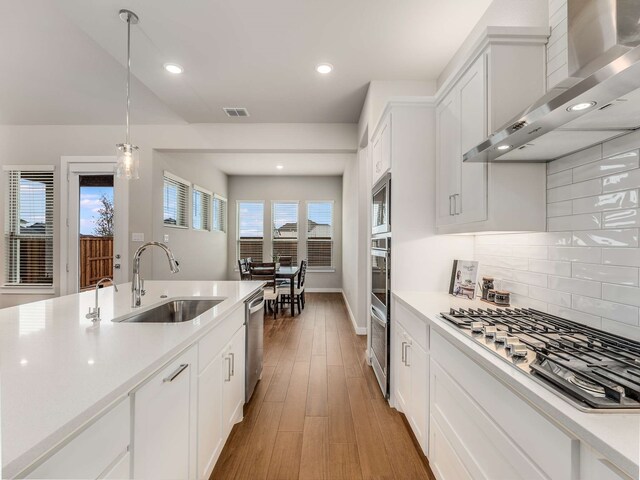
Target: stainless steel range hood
604 79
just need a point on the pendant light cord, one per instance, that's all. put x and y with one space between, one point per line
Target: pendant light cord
128 73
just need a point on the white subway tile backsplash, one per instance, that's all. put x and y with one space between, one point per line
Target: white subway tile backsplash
621 181
587 221
608 166
629 257
575 285
559 179
560 209
550 267
606 273
606 238
615 311
576 190
576 254
550 296
586 267
621 219
621 294
609 201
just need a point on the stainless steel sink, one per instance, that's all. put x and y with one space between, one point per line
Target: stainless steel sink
173 311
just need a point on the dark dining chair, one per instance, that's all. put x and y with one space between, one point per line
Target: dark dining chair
298 291
267 272
243 268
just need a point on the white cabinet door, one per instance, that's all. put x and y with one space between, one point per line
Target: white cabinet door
594 467
233 381
447 158
403 374
210 435
162 421
381 152
418 362
471 203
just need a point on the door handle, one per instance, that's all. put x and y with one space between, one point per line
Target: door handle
406 355
228 379
175 374
403 356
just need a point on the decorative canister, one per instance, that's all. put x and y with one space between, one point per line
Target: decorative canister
491 296
502 298
487 284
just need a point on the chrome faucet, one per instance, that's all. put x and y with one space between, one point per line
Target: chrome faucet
137 283
94 313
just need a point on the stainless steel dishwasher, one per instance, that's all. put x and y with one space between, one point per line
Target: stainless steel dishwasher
254 321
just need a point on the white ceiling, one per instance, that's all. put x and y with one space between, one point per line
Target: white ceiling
62 60
266 163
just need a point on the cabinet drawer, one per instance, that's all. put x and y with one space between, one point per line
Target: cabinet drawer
93 450
416 328
512 418
216 339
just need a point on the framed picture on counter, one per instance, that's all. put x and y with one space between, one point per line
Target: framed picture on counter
464 279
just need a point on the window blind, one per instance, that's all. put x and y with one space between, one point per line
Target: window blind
320 234
251 230
285 229
201 208
29 227
219 213
176 201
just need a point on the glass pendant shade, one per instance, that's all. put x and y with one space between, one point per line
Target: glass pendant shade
128 164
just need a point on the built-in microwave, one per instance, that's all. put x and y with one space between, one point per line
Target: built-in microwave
381 206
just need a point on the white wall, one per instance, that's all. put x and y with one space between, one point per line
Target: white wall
350 238
586 268
45 144
302 189
202 255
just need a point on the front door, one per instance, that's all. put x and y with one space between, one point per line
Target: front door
97 225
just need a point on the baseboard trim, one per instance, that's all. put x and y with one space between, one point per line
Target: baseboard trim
323 290
358 330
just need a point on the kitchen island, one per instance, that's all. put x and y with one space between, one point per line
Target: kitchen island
61 371
483 418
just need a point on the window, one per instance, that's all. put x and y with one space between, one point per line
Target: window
250 230
219 213
201 208
320 235
29 227
285 229
176 201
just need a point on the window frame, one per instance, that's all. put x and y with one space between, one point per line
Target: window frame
308 239
180 181
275 240
238 239
207 206
225 213
29 288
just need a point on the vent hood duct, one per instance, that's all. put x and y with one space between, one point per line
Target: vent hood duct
604 75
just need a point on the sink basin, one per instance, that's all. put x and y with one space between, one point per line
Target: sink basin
173 311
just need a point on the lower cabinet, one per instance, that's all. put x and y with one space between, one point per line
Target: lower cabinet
233 381
410 364
164 416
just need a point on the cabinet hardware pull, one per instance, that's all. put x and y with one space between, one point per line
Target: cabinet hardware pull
406 356
228 379
450 206
403 345
233 364
458 196
175 374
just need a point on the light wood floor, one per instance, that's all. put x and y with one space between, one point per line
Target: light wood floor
318 412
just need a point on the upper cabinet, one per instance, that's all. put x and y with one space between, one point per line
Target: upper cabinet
381 151
503 76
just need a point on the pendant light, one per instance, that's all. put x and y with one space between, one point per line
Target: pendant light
128 159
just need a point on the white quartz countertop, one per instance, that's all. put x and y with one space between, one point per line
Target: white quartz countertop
58 369
614 435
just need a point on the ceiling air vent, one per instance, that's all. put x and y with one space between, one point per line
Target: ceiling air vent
236 111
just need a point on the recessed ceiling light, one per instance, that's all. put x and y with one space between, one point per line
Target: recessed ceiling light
324 68
173 68
504 147
279 167
581 106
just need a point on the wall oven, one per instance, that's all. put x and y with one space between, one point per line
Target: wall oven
381 206
380 308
